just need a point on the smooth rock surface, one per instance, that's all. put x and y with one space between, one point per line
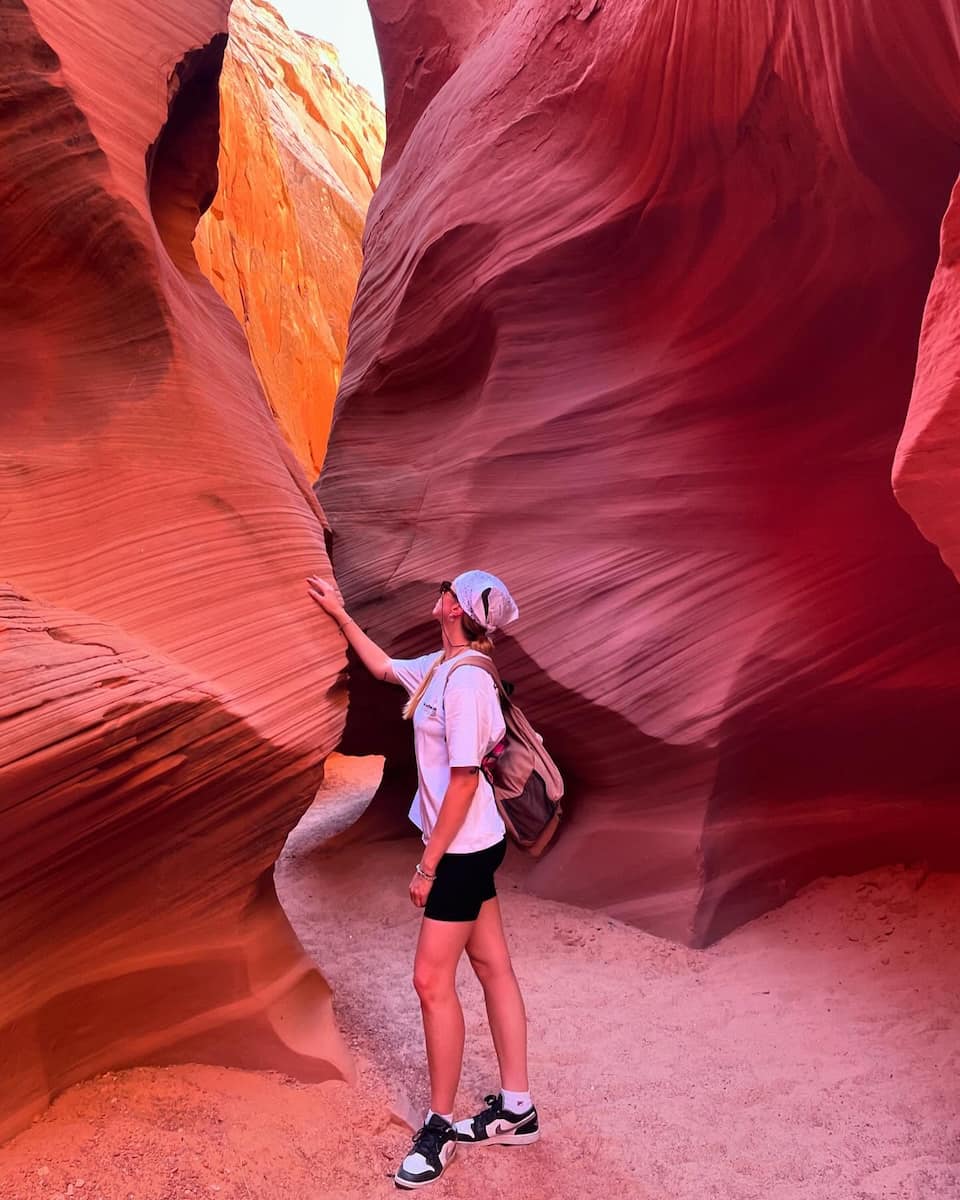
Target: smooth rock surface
167 695
926 471
636 330
299 160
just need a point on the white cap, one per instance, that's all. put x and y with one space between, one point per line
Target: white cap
485 598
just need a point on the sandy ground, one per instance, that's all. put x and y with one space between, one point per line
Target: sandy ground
812 1055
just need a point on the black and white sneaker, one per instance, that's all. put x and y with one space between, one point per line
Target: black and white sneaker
434 1144
498 1126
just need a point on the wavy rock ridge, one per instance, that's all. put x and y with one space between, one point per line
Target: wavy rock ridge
299 160
166 695
636 329
927 465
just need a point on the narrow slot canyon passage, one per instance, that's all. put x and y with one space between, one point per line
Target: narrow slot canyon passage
654 318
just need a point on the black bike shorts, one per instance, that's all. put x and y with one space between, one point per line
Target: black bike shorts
463 883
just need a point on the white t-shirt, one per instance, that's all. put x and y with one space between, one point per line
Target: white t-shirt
454 725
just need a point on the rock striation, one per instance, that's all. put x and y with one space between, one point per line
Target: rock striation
166 692
299 160
636 329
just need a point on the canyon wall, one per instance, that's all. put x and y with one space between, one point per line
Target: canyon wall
636 329
167 694
300 152
927 467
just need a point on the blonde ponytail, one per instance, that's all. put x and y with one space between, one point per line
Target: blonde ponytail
411 705
477 637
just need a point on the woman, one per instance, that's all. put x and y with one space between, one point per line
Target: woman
455 724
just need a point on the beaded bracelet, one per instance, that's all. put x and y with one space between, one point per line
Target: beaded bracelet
424 874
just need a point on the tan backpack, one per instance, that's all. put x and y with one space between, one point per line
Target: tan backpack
527 785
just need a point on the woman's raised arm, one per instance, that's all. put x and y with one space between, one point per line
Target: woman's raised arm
376 660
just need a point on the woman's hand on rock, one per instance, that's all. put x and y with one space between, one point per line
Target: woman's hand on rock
326 596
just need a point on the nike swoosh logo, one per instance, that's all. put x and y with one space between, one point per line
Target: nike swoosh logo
501 1126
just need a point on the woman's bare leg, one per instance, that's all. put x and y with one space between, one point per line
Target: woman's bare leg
434 976
490 958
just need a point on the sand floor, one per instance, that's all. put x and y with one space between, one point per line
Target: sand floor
812 1055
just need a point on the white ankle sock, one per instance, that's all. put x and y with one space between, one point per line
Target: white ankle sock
448 1117
516 1102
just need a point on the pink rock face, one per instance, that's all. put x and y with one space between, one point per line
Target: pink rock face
927 465
166 692
299 159
636 329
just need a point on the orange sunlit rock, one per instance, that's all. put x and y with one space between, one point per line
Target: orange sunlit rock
299 160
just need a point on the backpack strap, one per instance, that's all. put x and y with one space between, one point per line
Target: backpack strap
484 664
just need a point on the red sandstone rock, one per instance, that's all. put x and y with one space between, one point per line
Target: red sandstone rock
299 159
167 694
927 465
635 330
